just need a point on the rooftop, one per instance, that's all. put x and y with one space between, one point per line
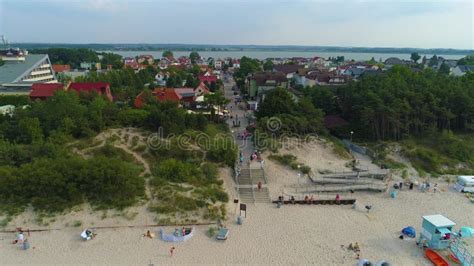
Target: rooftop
12 72
439 220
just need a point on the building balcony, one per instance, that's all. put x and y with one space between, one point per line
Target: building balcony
42 78
40 72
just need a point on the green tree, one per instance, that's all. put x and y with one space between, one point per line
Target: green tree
415 57
468 60
215 100
268 65
30 130
433 61
278 101
167 54
194 56
112 59
444 69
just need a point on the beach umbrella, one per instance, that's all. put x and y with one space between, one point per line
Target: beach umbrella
466 232
409 231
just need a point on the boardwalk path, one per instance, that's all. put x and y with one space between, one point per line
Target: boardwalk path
251 172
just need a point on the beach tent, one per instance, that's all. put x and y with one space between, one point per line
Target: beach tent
409 231
466 232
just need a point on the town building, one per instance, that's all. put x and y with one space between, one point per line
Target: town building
201 89
42 91
61 68
145 58
90 65
462 70
218 64
161 95
20 70
287 69
101 88
258 84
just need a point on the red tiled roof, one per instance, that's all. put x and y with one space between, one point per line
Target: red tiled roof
133 65
61 68
202 87
211 78
44 90
167 95
102 88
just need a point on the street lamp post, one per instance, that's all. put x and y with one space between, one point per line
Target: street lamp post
298 177
352 132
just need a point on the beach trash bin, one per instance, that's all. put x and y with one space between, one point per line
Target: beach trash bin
25 245
240 220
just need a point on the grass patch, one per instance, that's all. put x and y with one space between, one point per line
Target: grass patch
4 222
339 148
441 153
76 223
290 160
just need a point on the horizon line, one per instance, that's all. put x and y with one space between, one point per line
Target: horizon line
243 45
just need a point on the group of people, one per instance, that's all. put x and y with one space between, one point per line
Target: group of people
21 239
88 234
178 232
426 186
355 247
423 186
308 199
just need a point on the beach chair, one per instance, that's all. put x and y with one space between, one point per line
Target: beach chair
223 234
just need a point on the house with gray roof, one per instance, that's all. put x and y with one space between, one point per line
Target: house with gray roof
462 70
18 75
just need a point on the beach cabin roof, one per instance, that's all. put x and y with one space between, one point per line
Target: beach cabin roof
439 220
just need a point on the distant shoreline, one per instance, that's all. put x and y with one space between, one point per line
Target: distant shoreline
245 48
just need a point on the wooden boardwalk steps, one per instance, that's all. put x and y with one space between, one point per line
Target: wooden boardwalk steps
247 182
319 202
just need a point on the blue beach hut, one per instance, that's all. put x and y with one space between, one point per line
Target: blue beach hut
436 231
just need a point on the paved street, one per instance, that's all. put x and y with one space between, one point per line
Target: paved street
238 113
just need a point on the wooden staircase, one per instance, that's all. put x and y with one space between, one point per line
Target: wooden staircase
247 182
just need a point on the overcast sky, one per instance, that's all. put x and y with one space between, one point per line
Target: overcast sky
368 23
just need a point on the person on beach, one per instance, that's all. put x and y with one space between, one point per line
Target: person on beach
19 238
183 231
259 185
338 198
172 251
149 234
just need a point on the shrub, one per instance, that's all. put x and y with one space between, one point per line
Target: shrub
77 223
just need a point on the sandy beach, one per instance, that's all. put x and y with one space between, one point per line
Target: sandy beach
291 235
